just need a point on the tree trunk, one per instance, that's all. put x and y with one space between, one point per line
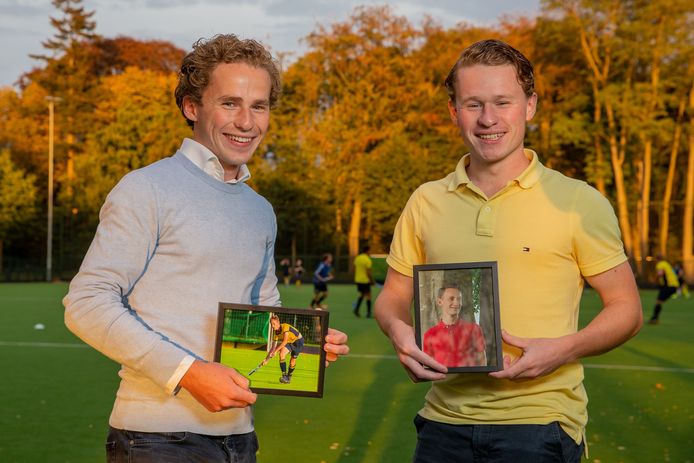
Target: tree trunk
293 251
617 159
353 237
667 194
650 116
338 237
599 155
687 251
644 216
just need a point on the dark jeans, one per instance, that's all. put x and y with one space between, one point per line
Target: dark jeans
493 443
179 447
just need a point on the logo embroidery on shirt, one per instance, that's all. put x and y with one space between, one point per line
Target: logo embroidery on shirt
526 249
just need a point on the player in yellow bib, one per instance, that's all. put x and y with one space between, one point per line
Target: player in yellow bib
667 286
363 280
286 339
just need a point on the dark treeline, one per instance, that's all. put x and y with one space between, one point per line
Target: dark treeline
363 122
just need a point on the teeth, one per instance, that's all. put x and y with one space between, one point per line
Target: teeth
239 139
491 136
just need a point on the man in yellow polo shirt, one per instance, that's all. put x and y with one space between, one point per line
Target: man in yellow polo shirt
547 233
363 280
667 286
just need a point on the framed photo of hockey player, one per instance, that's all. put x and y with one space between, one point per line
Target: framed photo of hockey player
279 349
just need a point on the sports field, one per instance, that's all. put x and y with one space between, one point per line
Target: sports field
56 394
305 377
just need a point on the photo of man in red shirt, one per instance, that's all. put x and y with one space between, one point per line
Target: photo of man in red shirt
453 341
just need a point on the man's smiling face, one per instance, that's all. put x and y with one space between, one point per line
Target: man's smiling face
234 114
491 110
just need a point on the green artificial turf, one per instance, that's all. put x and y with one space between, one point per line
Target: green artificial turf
305 376
56 393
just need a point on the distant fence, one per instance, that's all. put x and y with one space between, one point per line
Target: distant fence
19 269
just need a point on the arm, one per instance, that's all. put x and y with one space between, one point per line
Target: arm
278 348
95 310
123 245
392 312
620 319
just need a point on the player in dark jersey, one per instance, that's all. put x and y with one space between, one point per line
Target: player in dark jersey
321 276
286 339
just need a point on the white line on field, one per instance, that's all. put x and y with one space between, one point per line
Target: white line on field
41 344
364 356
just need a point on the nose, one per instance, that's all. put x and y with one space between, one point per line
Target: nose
244 119
488 116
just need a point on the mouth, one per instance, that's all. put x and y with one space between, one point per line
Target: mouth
490 136
238 139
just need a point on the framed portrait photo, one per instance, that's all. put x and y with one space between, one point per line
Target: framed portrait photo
457 315
279 349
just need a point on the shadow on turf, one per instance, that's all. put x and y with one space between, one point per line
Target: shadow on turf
382 408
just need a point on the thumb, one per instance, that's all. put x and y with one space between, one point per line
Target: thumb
514 341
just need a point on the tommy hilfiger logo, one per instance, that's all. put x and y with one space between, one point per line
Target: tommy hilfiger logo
526 249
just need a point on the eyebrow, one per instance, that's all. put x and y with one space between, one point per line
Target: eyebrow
237 99
495 97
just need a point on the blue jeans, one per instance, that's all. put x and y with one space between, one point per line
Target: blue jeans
493 443
179 447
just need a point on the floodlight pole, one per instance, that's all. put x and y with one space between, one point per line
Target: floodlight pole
49 235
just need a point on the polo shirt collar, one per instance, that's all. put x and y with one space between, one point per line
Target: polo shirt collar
525 180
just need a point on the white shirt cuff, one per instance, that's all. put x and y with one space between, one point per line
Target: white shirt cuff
172 386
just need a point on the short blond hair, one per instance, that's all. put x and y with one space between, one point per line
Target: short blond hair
197 66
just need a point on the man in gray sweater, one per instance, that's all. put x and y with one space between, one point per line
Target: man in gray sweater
174 239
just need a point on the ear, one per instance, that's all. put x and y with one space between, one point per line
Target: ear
531 108
190 108
453 111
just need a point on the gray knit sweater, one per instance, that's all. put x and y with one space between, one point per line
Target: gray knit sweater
172 243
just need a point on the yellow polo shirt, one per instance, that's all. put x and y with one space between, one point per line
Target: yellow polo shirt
362 263
546 231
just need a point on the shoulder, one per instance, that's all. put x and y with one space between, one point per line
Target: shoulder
433 188
158 173
574 194
257 197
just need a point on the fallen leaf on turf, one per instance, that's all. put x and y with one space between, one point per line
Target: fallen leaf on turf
334 446
659 386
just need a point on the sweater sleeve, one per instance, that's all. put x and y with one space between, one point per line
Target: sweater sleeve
95 309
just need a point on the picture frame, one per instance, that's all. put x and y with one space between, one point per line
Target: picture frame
468 340
245 337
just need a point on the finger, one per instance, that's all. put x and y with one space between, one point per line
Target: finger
336 337
337 349
237 404
514 370
245 396
426 360
240 380
420 373
521 343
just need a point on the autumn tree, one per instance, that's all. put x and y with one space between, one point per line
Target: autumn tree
136 123
114 55
18 196
69 74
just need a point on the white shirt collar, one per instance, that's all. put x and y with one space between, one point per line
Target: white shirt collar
209 163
